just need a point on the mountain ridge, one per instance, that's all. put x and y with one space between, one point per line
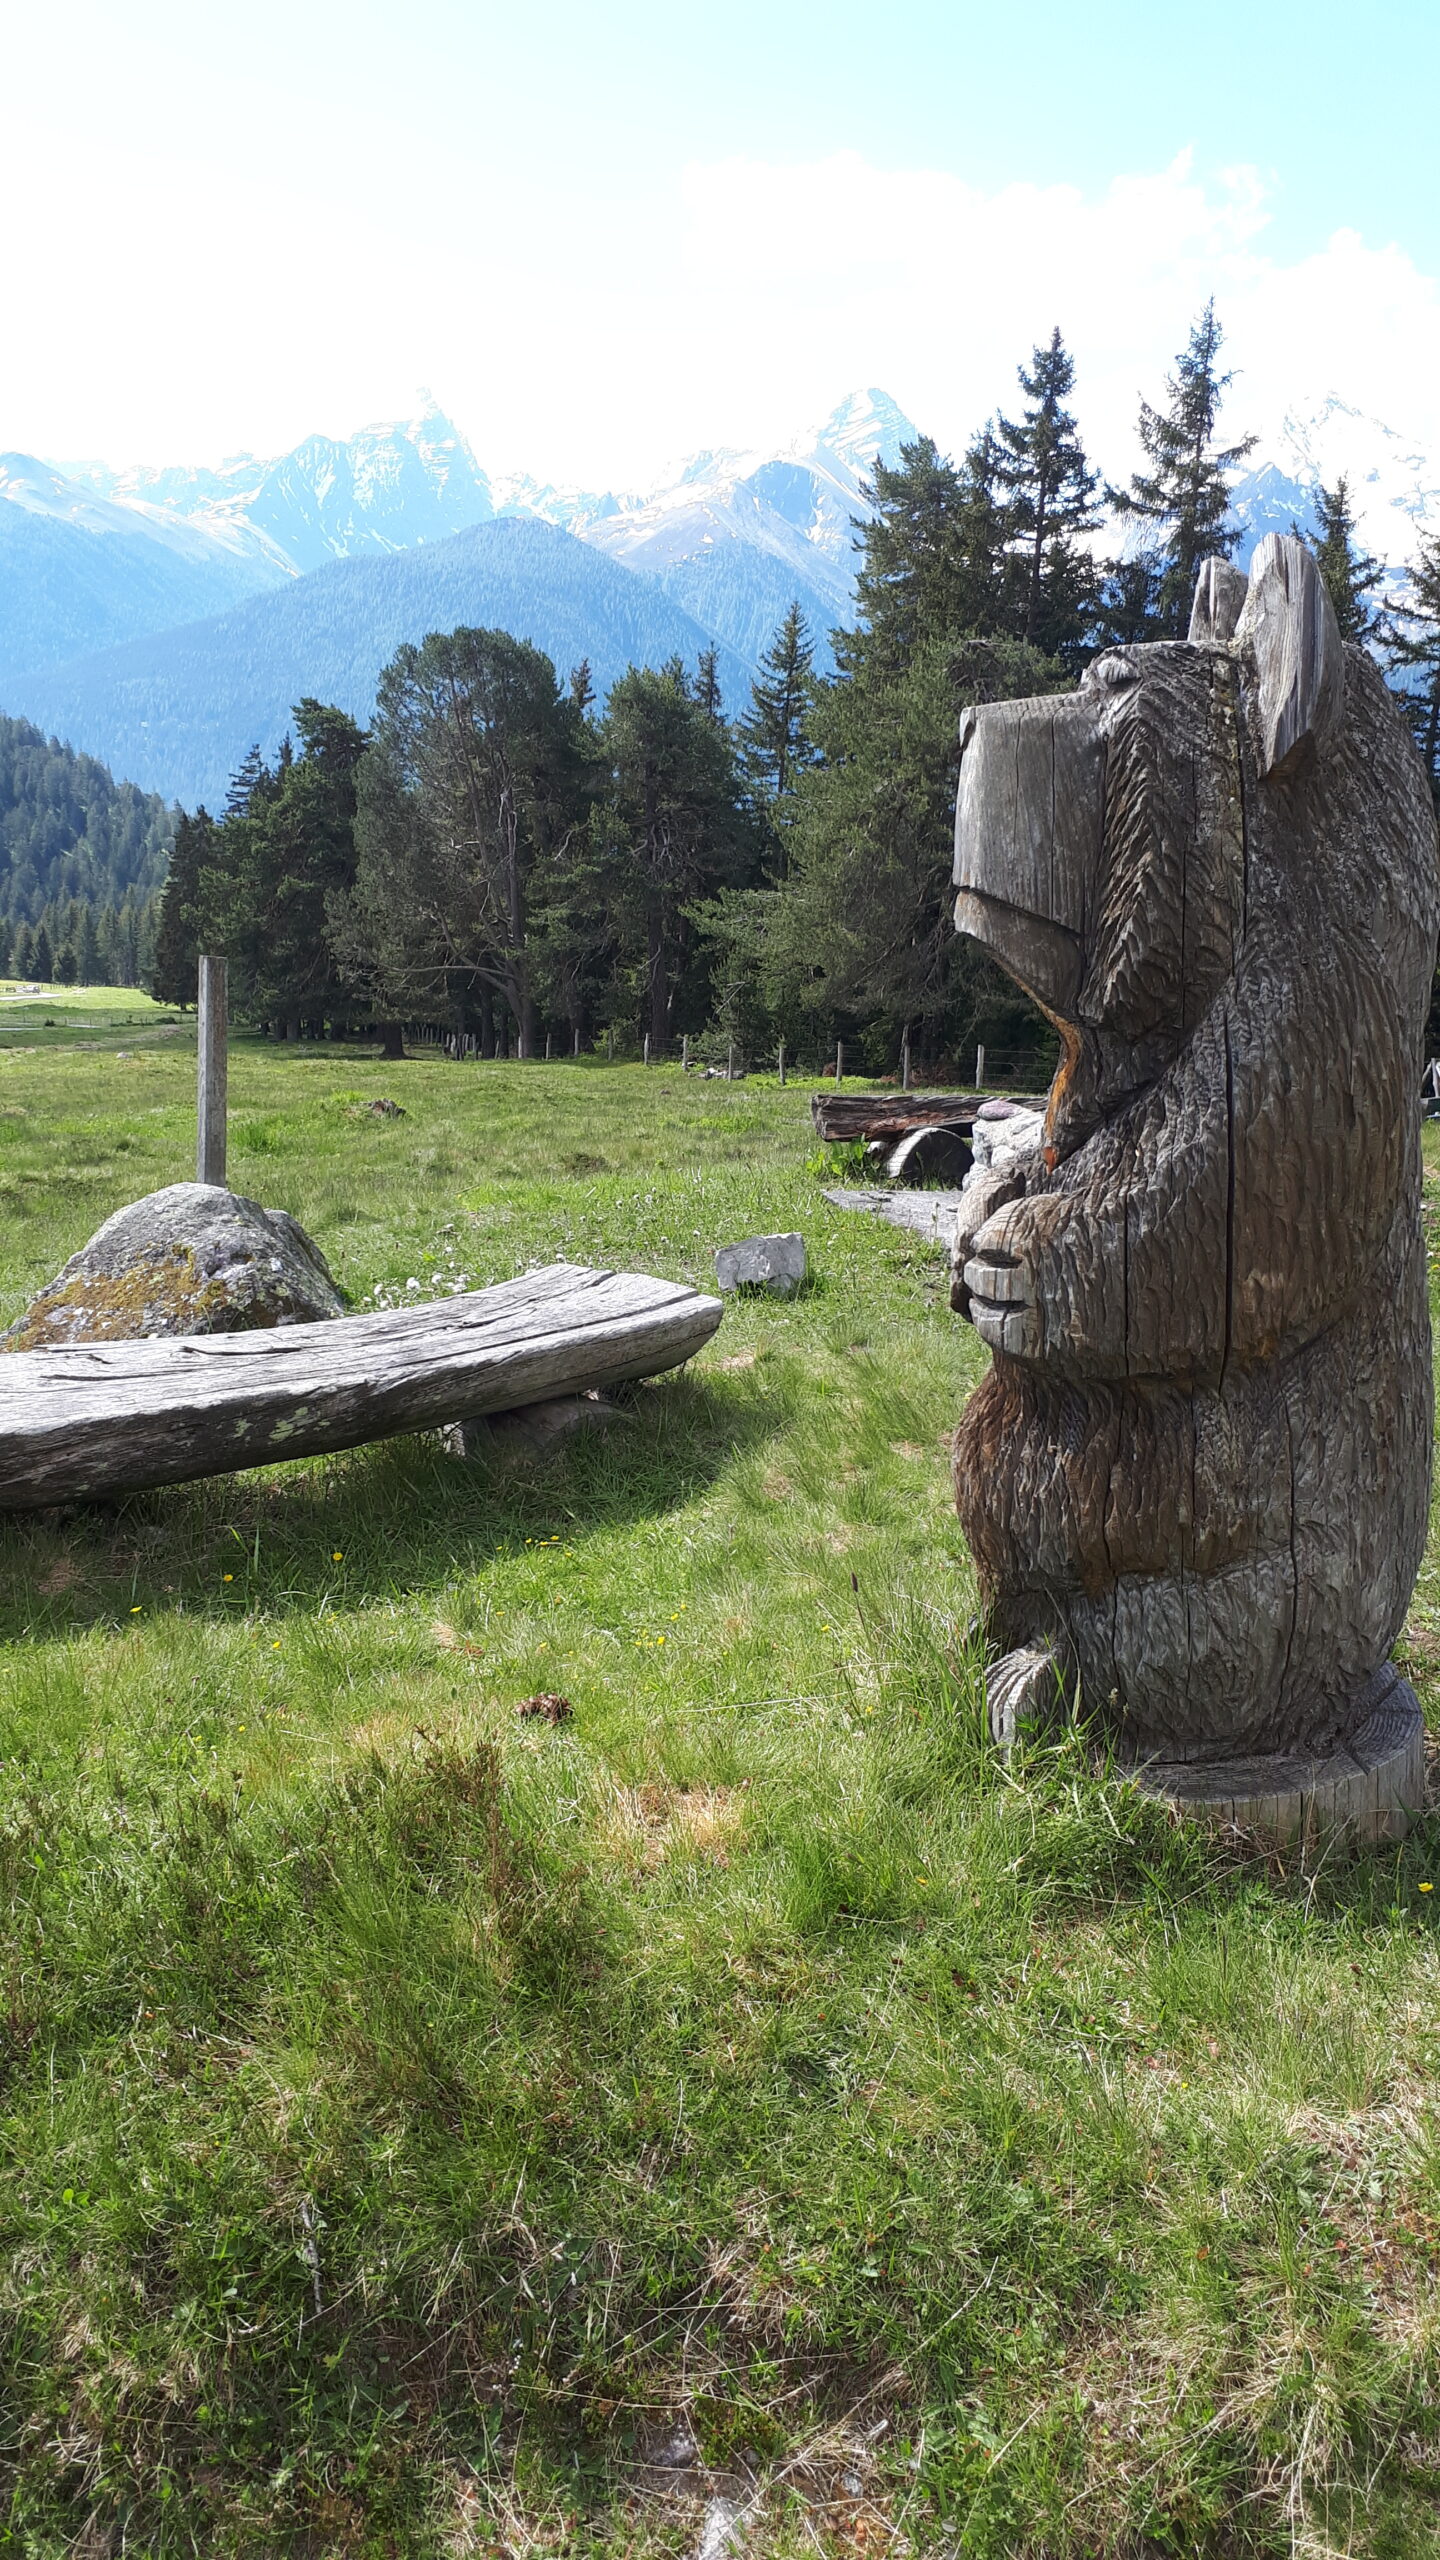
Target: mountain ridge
176 711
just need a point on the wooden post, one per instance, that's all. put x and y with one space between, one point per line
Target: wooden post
685 1053
610 1045
839 1060
577 1039
980 1068
210 1071
782 1061
730 1064
646 1059
905 1064
547 1044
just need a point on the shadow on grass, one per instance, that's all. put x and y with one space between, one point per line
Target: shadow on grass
389 1518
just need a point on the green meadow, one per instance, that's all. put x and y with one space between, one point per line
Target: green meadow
418 2118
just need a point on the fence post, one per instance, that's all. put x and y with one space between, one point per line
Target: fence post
905 1064
685 1053
980 1068
547 1044
210 1064
782 1061
610 1044
839 1060
646 1059
730 1064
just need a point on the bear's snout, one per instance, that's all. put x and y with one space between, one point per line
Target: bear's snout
1029 825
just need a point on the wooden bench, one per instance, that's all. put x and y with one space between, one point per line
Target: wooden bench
101 1418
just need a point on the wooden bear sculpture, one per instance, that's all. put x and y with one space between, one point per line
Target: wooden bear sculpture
1197 1476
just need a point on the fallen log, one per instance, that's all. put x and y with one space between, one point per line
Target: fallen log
930 1214
98 1418
838 1116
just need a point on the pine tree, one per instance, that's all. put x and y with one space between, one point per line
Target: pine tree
932 561
707 683
66 967
472 781
1412 642
177 932
246 783
1050 488
24 952
88 953
1350 574
42 958
774 743
1185 494
582 689
671 830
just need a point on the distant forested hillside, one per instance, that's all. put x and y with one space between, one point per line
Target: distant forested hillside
182 710
69 830
66 589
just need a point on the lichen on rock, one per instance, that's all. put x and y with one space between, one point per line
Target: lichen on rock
193 1258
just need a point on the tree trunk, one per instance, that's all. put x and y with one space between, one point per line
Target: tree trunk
391 1037
656 988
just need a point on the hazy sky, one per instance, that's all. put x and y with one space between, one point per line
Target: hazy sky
609 233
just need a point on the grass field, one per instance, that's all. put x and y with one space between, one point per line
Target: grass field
418 2118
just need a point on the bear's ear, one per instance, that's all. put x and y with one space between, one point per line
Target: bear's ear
1289 623
1219 599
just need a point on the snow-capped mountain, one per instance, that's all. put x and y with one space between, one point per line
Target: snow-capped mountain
79 571
1394 486
732 537
379 490
418 480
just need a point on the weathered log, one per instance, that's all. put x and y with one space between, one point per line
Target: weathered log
838 1116
100 1418
930 1214
1197 1476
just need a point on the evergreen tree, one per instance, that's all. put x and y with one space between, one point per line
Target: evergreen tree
1185 493
471 785
177 934
24 952
42 958
707 683
248 779
1050 489
1412 641
582 689
274 864
773 734
670 831
66 970
88 954
1350 575
932 556
858 934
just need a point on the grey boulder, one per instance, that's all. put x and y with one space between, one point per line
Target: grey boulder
194 1258
762 1262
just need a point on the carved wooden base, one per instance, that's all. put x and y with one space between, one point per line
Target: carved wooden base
1373 1787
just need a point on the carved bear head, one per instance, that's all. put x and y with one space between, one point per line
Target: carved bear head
1099 836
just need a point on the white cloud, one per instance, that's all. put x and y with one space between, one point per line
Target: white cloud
842 271
171 315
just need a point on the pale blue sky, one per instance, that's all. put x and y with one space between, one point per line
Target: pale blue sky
606 233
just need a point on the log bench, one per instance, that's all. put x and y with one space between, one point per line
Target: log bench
94 1419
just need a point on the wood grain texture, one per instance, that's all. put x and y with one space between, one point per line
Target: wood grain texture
1199 1468
211 1069
1372 1786
103 1418
841 1116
